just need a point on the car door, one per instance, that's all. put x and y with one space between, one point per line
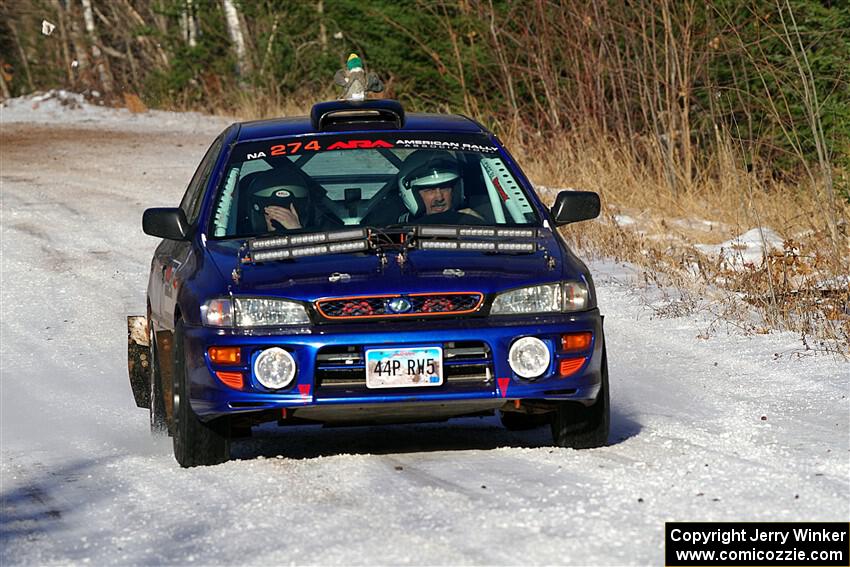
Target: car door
172 256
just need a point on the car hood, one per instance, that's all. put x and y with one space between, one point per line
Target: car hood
422 271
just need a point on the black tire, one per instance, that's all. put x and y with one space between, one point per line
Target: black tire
158 419
584 427
515 421
195 443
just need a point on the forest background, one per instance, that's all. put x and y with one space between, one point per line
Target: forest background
734 111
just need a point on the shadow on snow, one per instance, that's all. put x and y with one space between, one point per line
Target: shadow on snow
463 434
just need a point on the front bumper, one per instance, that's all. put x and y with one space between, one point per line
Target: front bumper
485 380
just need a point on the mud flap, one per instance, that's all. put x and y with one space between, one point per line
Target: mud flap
139 359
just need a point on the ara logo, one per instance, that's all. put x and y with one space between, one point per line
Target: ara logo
398 305
359 144
256 155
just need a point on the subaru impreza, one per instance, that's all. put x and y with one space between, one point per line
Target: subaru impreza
365 265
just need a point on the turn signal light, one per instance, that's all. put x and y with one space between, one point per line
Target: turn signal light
576 341
232 379
225 355
570 366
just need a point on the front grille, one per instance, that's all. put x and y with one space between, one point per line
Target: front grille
414 304
341 370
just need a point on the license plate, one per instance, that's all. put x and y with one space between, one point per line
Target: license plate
404 367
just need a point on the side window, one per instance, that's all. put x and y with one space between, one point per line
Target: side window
191 202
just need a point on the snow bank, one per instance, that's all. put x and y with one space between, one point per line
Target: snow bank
749 248
64 107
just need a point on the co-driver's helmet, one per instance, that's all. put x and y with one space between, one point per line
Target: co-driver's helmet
277 188
426 169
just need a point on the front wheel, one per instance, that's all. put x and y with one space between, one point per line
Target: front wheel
584 427
195 443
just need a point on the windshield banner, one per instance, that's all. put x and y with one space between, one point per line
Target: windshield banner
379 141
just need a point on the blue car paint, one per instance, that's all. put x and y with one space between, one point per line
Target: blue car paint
206 274
210 398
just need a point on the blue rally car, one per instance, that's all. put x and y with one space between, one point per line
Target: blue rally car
365 266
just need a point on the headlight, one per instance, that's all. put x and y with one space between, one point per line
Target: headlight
536 299
252 312
546 298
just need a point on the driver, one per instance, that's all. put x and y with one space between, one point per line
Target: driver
279 204
430 183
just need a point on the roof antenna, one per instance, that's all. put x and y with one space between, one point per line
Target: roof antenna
355 81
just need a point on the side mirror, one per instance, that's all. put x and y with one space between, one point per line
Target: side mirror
166 223
574 206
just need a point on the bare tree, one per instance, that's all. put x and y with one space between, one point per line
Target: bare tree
234 29
4 89
188 28
22 53
63 37
323 32
100 61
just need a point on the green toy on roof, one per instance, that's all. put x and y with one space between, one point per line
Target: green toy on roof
355 81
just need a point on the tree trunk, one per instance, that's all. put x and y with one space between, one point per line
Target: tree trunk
145 42
187 23
24 63
190 24
82 74
234 29
4 89
269 45
99 60
323 32
63 36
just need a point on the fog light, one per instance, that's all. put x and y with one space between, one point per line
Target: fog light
529 357
274 368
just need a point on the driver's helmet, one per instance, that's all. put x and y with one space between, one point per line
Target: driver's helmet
425 169
282 189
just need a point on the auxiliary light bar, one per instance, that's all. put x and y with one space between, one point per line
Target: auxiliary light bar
267 256
301 239
286 247
453 232
516 232
478 245
300 252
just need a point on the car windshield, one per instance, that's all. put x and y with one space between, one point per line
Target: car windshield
308 184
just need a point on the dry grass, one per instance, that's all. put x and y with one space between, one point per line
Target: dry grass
802 288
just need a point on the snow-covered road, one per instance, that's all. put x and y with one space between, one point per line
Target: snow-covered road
727 428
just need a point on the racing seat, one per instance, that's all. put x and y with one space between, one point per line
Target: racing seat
244 224
252 199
